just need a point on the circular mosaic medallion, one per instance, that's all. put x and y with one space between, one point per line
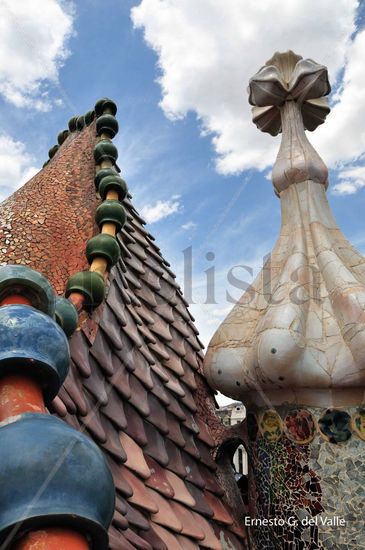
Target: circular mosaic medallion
271 425
335 426
300 426
252 427
358 424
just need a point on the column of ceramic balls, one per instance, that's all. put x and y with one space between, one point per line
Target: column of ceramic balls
56 490
102 250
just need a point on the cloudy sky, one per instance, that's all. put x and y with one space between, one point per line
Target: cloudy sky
198 168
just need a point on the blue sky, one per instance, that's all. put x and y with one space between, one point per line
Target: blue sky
195 164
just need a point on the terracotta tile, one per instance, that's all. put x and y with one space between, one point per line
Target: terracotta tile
119 481
142 496
125 354
158 479
201 505
79 349
190 526
175 408
192 470
165 310
174 431
211 483
120 378
136 541
167 537
158 389
161 328
155 541
138 396
135 458
189 376
210 540
135 427
155 447
110 325
181 493
114 409
175 462
117 540
143 370
59 407
157 414
67 401
116 306
136 518
165 515
204 433
221 514
187 399
151 278
119 521
190 446
206 455
174 363
93 425
112 443
101 351
74 388
96 383
186 543
175 387
159 350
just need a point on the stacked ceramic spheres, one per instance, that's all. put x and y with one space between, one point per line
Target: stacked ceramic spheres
102 250
50 474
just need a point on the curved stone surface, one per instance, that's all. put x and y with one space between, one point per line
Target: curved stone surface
298 334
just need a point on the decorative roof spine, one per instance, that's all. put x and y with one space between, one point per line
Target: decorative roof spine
86 289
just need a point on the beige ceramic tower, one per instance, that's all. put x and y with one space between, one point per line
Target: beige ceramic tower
294 349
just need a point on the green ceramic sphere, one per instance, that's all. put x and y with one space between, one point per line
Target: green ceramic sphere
105 150
89 117
80 123
104 246
105 105
72 124
66 316
90 284
53 150
102 174
107 124
110 211
113 183
62 136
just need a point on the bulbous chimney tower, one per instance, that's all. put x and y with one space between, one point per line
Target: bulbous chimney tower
293 350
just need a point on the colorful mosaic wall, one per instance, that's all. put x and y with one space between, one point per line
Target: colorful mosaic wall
306 479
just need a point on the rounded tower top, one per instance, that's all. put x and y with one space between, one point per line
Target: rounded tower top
298 335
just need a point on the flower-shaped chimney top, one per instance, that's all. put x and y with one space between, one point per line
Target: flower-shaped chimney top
287 77
298 333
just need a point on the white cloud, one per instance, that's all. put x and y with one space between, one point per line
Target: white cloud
15 165
189 226
207 54
161 209
351 180
33 38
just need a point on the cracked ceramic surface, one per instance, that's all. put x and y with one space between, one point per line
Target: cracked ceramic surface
298 334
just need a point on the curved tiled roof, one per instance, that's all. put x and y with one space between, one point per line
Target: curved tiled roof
136 362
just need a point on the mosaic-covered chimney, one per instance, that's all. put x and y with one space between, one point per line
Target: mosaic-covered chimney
293 350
